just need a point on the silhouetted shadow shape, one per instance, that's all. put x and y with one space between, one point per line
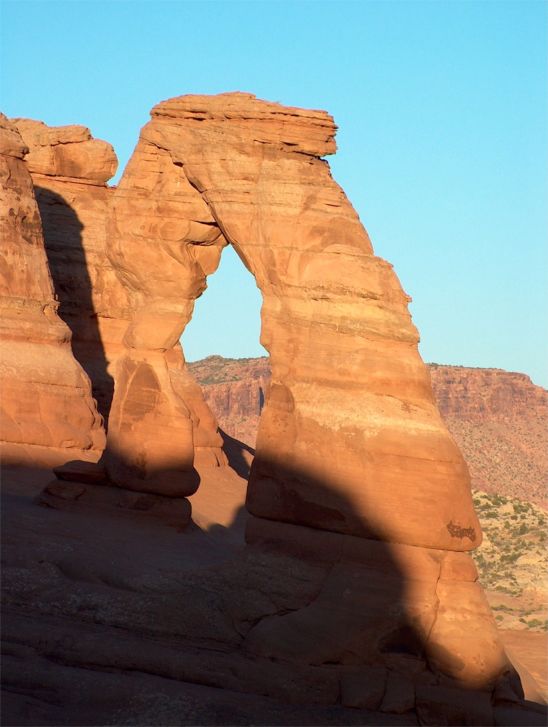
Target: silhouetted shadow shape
236 451
73 287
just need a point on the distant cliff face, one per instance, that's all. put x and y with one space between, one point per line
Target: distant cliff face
478 393
498 418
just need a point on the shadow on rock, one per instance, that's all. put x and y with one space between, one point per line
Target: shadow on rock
298 626
73 287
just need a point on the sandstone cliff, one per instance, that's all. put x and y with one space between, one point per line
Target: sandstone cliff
46 396
70 170
499 420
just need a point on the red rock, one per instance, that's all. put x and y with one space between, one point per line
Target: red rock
464 642
78 471
347 377
70 495
66 151
46 396
353 459
69 170
65 491
497 418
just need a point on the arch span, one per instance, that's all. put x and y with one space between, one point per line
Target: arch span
351 398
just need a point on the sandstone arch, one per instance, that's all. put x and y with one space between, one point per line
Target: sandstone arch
351 449
351 398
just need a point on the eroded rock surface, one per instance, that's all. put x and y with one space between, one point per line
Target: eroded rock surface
70 169
46 396
360 503
350 439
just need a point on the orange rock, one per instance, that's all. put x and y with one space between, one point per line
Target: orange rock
46 396
350 438
66 151
69 170
463 642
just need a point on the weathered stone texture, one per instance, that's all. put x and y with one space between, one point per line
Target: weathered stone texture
46 396
69 169
350 439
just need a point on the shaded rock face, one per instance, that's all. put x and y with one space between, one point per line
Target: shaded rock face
46 396
70 169
350 400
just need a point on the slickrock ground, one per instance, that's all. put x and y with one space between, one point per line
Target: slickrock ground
115 618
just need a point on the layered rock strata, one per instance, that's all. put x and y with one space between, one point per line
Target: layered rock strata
350 440
70 170
164 242
497 418
353 463
46 396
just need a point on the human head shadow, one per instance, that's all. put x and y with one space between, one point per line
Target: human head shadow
73 288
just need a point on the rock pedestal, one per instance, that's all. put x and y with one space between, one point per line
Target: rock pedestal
164 242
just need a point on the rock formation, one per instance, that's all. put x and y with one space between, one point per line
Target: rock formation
70 169
498 418
358 495
347 378
350 440
46 396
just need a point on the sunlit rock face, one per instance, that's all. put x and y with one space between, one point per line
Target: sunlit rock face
70 169
164 241
354 466
46 396
350 439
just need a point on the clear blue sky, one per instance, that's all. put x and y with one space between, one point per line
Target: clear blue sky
442 109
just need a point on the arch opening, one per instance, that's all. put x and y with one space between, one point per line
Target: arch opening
226 319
